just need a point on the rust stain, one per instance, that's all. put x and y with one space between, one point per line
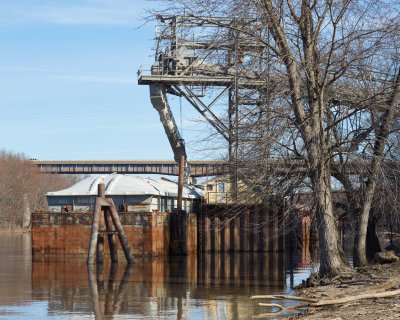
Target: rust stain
69 233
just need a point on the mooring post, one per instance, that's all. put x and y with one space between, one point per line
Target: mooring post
105 215
111 239
101 193
94 233
180 182
121 234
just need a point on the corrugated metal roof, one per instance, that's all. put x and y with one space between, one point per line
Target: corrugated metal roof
121 184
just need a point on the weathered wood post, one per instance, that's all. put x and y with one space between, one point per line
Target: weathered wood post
121 234
111 239
101 193
94 232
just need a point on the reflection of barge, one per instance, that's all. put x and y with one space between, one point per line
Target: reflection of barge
217 285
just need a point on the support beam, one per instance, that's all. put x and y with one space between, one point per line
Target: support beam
111 239
121 234
215 124
180 181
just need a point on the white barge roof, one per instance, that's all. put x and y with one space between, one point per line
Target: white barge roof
121 184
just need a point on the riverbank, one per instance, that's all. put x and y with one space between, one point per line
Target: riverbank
369 280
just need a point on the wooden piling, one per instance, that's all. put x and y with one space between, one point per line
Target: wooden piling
105 215
101 190
101 193
121 234
100 238
94 233
111 239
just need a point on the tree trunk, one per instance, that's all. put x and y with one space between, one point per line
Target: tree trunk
381 135
310 123
359 251
331 261
372 241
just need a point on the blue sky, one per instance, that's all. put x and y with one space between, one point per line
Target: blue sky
69 85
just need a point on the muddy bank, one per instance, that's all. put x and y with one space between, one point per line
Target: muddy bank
369 280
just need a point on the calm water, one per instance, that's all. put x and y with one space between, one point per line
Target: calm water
213 286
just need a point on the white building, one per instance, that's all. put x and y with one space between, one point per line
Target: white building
129 193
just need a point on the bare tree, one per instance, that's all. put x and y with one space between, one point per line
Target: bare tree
327 104
23 187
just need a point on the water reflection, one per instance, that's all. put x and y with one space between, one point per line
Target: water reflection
209 286
15 269
106 302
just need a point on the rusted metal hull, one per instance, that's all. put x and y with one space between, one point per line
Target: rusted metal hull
69 233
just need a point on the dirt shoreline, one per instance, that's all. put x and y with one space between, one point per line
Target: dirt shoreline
371 279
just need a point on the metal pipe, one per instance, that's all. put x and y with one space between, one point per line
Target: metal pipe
121 234
101 193
180 182
101 190
111 239
94 233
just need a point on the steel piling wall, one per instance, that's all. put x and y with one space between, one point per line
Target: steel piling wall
69 233
257 228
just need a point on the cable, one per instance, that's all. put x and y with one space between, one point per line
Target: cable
180 110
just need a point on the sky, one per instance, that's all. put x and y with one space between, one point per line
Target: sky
68 82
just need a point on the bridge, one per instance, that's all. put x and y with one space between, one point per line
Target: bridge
197 168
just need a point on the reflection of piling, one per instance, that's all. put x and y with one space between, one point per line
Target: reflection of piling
103 301
244 270
94 292
122 289
105 215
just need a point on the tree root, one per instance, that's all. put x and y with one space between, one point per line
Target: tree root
318 303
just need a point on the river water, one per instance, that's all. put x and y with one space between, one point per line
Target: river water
210 286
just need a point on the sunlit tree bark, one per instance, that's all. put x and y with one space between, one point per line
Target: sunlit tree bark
330 93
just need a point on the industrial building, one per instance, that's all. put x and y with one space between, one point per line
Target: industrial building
129 193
